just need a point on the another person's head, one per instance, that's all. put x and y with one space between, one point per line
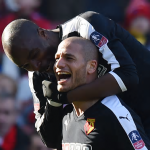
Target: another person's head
8 114
76 63
29 46
27 7
7 86
137 19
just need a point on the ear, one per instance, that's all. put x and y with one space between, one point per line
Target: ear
91 66
42 32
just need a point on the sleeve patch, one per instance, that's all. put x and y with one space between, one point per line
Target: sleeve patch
136 139
98 39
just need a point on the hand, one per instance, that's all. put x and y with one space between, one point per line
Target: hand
51 93
35 83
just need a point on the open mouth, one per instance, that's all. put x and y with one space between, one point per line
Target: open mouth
63 76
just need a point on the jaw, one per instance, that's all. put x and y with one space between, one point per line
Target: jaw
64 85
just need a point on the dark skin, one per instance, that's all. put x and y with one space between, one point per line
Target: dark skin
34 49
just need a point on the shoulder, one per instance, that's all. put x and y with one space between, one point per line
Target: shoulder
101 23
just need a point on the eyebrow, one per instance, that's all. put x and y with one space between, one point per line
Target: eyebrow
66 54
69 55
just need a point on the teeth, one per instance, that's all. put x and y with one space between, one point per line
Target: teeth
63 73
62 79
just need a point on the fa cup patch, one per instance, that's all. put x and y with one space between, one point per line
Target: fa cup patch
98 39
136 139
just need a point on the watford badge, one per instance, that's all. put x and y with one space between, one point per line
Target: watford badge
89 125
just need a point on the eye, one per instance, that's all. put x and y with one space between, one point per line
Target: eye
69 58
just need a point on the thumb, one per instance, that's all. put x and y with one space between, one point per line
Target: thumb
46 90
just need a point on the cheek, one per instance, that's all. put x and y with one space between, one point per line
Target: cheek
79 76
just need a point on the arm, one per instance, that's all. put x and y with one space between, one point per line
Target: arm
48 117
121 73
103 87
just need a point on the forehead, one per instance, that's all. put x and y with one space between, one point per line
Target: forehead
19 56
69 47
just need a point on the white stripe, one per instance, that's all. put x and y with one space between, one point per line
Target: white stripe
39 118
119 81
80 25
109 57
114 104
30 77
84 27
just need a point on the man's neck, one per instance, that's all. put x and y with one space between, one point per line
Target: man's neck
81 106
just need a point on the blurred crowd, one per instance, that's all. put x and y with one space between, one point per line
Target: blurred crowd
17 130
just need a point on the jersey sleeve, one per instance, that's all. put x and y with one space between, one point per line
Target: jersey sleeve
101 31
48 118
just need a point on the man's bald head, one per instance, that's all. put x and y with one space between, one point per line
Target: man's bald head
89 50
17 34
29 46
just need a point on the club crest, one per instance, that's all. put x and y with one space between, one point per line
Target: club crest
89 125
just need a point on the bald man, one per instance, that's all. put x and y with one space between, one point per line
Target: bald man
33 49
90 124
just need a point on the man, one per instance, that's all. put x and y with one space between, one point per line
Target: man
91 124
11 136
33 49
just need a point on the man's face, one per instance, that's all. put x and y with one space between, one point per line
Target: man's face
70 66
7 115
36 55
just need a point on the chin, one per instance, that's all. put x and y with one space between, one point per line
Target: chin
63 89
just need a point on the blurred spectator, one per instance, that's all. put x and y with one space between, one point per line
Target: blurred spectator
137 20
7 85
36 143
27 118
11 136
11 5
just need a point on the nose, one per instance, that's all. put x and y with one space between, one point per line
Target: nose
60 63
